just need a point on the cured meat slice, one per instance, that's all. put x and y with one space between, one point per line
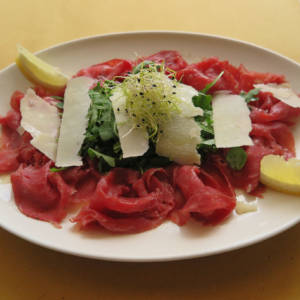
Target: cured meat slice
200 74
210 202
234 79
275 136
107 70
125 202
83 181
40 194
268 109
171 59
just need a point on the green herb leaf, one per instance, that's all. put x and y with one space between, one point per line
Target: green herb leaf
58 98
141 66
204 101
250 96
108 159
236 158
210 85
58 169
60 105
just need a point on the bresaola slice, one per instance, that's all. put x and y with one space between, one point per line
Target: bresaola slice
41 194
207 196
126 202
281 92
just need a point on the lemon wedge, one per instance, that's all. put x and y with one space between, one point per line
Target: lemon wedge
39 72
281 175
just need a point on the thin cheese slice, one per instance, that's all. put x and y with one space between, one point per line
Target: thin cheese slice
74 122
232 123
281 92
243 207
133 140
187 109
42 121
179 140
181 134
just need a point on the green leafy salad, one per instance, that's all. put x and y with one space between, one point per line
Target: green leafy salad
149 102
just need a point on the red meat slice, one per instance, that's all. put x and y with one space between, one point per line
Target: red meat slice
13 117
8 161
271 138
234 79
40 194
172 59
246 179
268 109
200 74
15 100
248 78
29 155
208 204
83 182
275 136
107 70
125 202
10 141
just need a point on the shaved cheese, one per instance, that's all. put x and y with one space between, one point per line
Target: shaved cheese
74 122
178 136
179 140
42 121
181 135
281 92
232 123
186 105
243 207
133 140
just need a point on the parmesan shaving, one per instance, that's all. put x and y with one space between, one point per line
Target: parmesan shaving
243 207
232 123
281 92
179 139
133 140
42 121
74 122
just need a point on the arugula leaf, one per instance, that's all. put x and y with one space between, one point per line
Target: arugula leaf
205 121
60 105
236 158
210 85
108 159
204 101
142 65
100 135
58 98
102 144
58 169
250 96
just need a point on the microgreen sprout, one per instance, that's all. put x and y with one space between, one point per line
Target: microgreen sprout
151 97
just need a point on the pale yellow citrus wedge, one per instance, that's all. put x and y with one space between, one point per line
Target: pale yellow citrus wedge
39 72
281 175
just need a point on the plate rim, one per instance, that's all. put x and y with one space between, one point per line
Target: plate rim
171 32
238 245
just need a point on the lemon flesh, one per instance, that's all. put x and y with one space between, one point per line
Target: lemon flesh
281 175
39 72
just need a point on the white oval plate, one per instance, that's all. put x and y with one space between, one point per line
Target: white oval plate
276 213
